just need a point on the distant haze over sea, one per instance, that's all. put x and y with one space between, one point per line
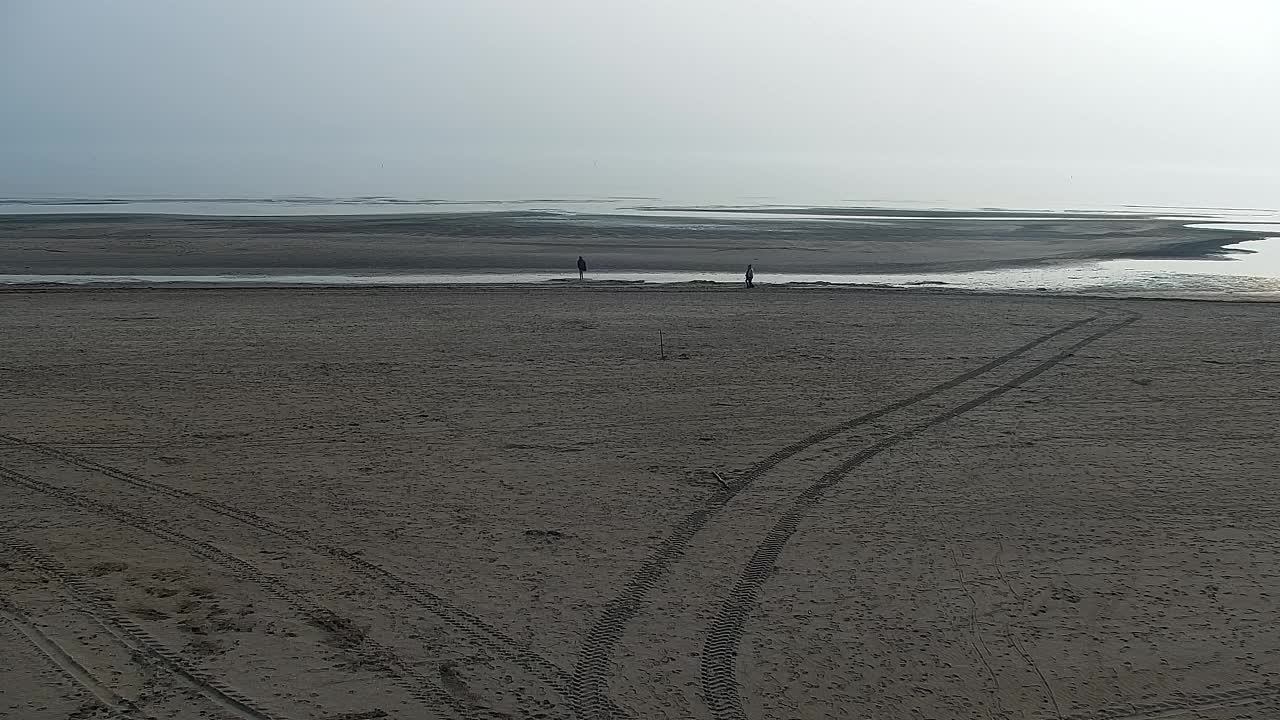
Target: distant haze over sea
621 204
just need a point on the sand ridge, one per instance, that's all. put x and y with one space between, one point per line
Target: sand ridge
532 241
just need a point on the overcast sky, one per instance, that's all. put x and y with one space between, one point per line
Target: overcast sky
985 102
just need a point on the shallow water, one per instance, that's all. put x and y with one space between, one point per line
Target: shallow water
1251 270
623 206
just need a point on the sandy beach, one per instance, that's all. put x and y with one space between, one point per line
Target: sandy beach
502 502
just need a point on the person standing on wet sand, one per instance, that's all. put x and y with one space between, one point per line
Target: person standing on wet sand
582 267
751 274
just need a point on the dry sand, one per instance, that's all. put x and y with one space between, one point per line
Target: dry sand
501 503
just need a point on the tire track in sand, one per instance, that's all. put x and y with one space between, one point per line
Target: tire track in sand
720 650
107 698
590 683
462 623
424 689
131 635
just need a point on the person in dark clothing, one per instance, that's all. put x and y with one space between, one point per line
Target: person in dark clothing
751 274
582 267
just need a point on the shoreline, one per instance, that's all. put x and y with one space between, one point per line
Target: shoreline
1245 270
1226 298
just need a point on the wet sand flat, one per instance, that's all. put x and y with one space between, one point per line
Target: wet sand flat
502 503
543 241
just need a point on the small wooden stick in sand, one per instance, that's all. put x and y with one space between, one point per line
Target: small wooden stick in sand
720 480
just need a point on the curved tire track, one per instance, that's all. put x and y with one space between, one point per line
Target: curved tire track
590 682
422 688
463 624
131 635
720 650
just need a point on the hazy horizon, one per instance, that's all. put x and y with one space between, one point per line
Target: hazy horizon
994 102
